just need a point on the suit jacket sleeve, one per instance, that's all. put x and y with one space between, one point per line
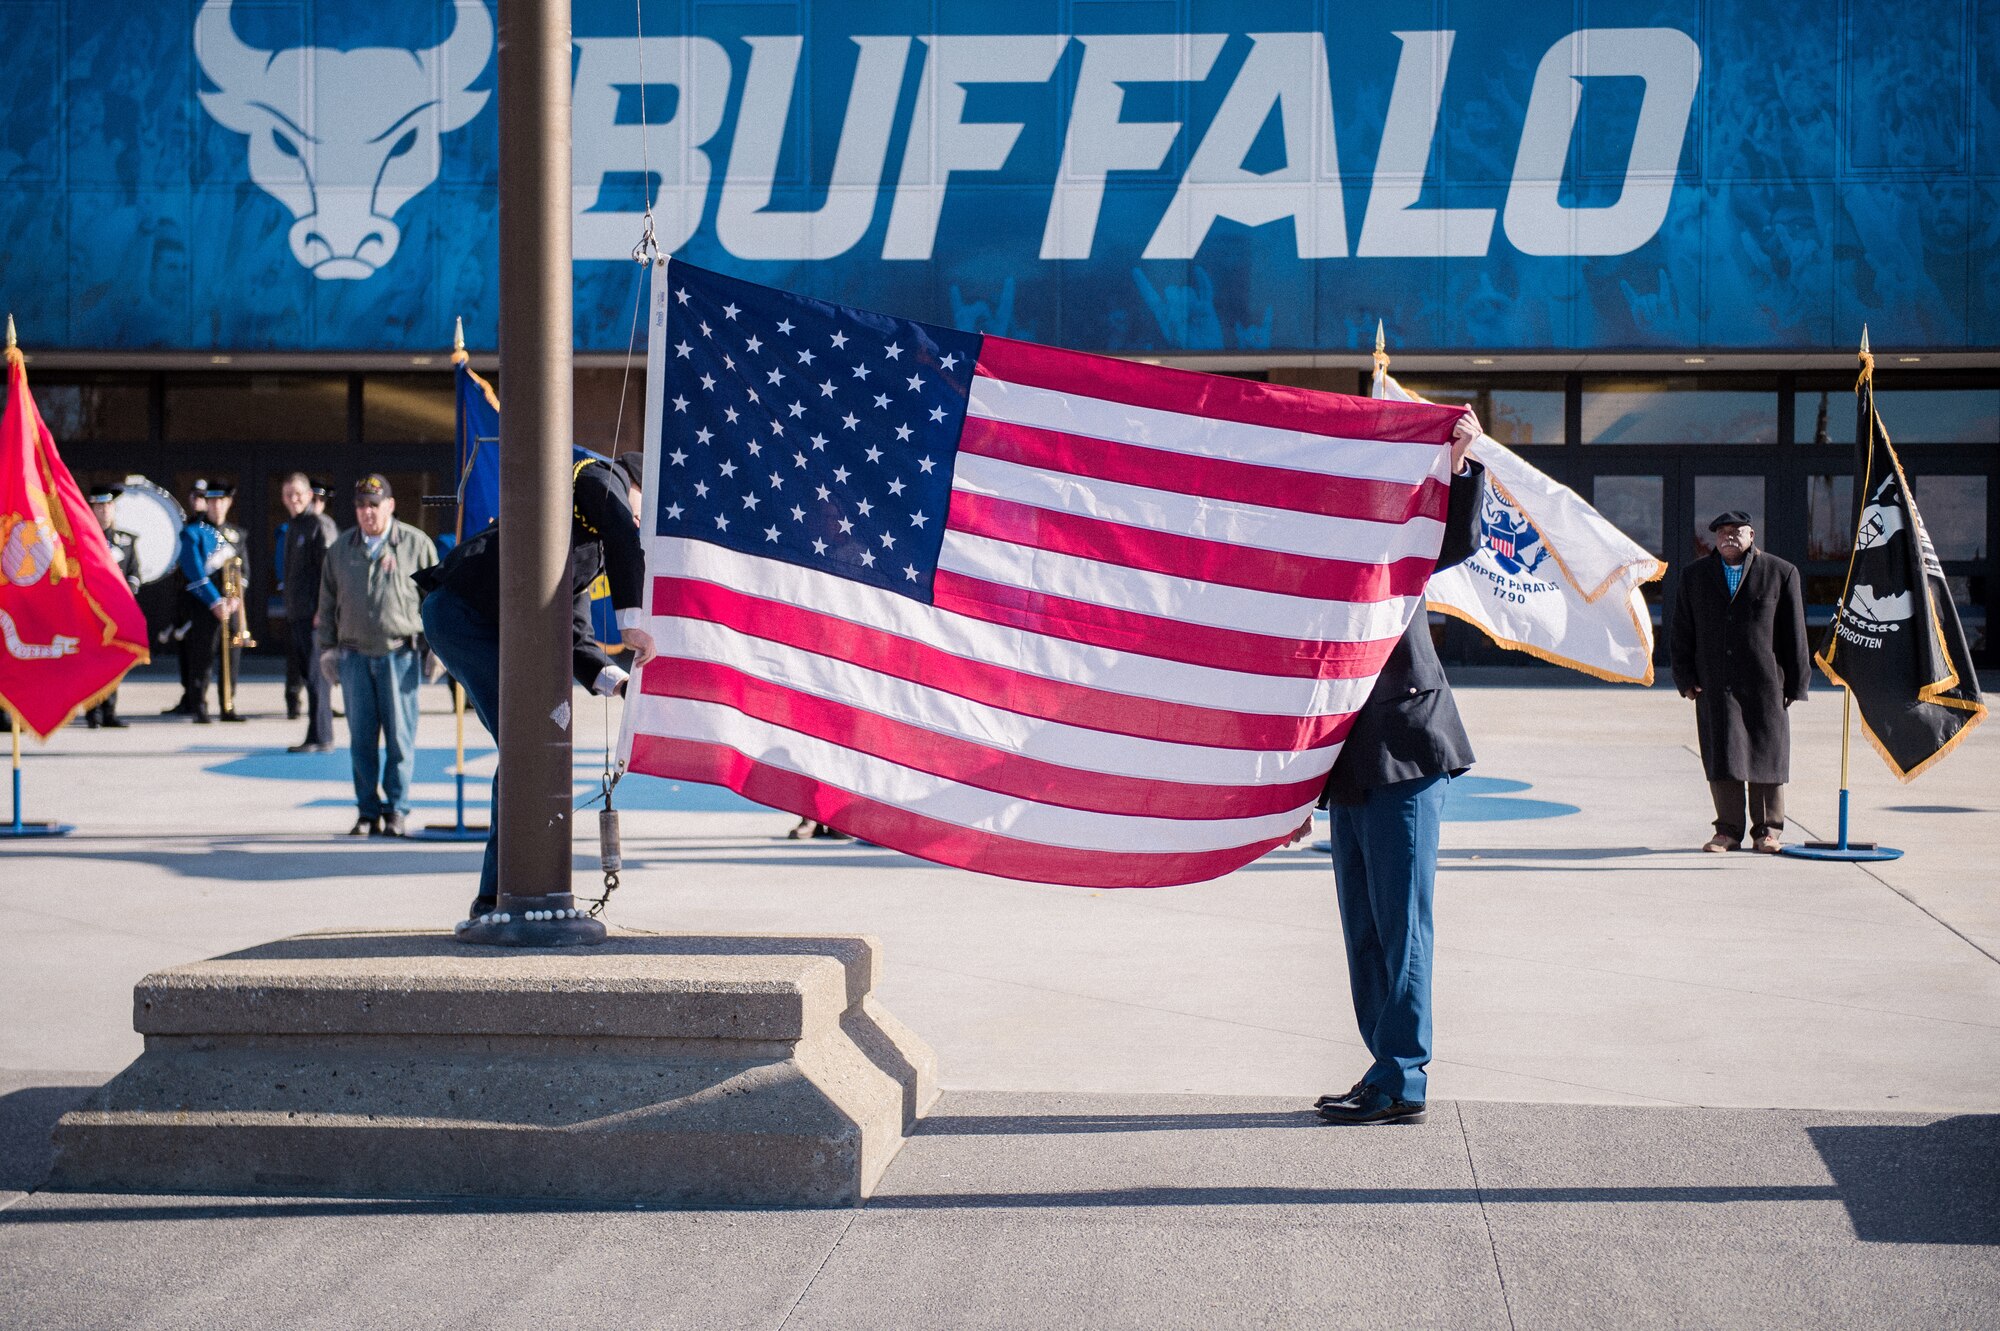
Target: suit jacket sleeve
587 659
1680 634
601 502
1461 522
1794 655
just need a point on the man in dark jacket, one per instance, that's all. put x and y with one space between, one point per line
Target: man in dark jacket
1386 795
308 535
462 608
1739 650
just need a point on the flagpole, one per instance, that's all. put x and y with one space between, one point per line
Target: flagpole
1864 450
17 827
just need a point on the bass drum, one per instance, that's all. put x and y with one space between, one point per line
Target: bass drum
154 519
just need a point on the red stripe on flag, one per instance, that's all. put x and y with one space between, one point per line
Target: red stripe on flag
929 838
1211 478
963 761
1220 563
1155 635
1214 396
985 682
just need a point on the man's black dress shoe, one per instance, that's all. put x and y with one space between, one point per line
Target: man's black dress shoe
181 708
363 827
392 825
230 716
310 748
1351 1094
201 718
1373 1106
115 723
481 906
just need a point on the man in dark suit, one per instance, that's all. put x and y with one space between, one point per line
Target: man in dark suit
1386 796
308 534
1739 649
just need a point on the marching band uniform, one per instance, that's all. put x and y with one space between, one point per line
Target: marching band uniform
125 552
203 549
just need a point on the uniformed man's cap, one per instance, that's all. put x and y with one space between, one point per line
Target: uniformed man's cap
1735 517
211 489
372 489
104 494
320 491
633 463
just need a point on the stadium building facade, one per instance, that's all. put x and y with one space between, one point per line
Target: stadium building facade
1642 238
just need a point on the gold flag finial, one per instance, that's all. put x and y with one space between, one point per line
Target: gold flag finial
458 356
1867 360
12 341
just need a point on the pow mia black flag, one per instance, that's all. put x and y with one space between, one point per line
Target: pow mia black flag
1895 640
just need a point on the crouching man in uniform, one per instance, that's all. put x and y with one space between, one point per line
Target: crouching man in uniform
1386 796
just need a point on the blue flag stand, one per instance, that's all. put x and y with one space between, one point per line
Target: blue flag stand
458 830
15 827
1849 851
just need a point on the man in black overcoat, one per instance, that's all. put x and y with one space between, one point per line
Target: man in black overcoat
1386 797
1739 651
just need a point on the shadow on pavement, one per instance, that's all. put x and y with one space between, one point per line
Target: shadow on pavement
1930 1183
1556 853
27 1127
286 861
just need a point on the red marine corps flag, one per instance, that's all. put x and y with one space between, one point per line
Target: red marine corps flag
69 628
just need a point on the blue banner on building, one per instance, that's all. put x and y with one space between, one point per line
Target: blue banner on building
1131 177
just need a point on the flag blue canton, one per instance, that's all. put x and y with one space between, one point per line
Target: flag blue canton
808 432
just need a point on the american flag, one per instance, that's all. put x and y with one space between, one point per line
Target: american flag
1024 611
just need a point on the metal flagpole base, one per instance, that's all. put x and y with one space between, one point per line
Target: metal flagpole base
551 921
35 829
1855 852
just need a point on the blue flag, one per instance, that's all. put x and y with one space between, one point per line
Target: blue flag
476 456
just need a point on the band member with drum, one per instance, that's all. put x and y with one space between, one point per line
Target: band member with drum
207 543
124 550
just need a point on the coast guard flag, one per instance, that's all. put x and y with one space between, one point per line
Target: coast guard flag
1019 610
1551 577
69 628
1895 640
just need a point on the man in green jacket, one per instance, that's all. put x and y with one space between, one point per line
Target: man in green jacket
367 631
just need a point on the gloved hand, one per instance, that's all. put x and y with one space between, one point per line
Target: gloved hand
329 664
1463 436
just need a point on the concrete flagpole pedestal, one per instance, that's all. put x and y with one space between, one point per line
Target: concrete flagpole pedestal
677 1070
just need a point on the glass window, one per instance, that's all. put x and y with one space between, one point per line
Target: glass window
1969 595
1714 495
257 408
1829 516
408 408
1636 506
598 416
1517 413
1911 415
1954 513
82 408
1678 409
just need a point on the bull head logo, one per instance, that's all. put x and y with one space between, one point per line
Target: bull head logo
343 138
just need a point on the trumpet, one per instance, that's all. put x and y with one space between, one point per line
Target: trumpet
237 635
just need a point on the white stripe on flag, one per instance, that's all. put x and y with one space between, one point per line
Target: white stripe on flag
1204 436
943 799
1019 649
1283 530
991 727
1169 597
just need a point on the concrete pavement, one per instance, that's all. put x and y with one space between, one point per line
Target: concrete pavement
1094 1161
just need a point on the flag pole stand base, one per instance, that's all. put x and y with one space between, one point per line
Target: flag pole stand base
35 829
451 832
1857 852
554 920
1850 852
